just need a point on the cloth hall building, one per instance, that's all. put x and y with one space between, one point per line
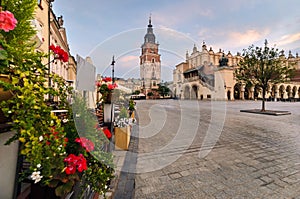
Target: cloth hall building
206 74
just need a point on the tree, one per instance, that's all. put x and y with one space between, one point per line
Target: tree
261 66
136 92
150 95
163 90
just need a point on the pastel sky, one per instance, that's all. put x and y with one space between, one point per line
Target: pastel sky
102 29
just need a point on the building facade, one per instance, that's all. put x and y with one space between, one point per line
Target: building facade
51 31
150 63
209 75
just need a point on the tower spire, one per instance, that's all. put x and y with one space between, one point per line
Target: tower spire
150 25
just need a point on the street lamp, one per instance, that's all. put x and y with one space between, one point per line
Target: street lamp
49 43
112 105
113 69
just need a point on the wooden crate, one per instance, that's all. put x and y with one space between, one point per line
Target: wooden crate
122 137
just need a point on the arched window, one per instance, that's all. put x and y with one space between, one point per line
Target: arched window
153 60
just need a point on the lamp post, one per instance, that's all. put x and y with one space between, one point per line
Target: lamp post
113 69
49 43
112 105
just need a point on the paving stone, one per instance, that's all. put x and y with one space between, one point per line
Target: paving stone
266 179
175 175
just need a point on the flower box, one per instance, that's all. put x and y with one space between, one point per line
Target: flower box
122 137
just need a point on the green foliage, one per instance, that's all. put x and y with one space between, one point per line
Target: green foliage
136 92
123 113
101 168
30 114
150 94
42 135
163 90
131 105
261 66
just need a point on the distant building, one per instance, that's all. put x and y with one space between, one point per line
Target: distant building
209 75
51 31
150 63
133 84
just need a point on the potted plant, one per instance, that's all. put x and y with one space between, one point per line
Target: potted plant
105 88
122 129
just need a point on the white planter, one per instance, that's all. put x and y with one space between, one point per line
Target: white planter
8 163
108 111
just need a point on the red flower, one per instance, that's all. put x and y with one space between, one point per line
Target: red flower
107 133
71 169
81 163
98 84
112 86
59 53
106 79
66 141
7 21
85 143
74 161
53 48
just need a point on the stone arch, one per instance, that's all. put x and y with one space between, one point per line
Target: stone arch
289 91
194 92
294 92
257 92
247 94
273 91
228 95
186 92
269 92
175 95
237 91
281 91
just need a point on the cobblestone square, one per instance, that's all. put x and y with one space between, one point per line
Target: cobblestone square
230 155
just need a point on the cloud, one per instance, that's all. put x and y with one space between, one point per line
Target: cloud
129 61
288 39
247 37
180 12
233 41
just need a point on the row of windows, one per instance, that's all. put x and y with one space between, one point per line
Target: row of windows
152 60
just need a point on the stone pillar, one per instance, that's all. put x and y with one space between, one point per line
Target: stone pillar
232 94
225 95
259 93
268 93
251 93
285 95
242 92
290 94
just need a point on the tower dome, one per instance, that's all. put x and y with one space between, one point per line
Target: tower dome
149 37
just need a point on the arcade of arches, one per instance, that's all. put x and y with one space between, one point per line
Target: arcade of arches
275 92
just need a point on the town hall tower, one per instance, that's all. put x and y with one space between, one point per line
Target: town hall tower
150 64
